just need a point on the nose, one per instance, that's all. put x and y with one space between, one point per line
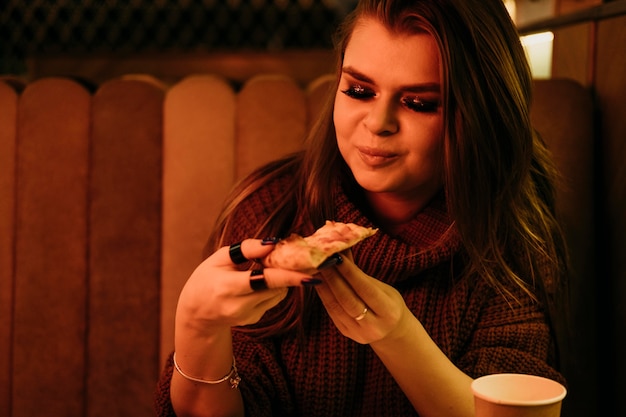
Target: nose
382 118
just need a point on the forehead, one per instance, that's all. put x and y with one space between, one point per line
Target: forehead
374 49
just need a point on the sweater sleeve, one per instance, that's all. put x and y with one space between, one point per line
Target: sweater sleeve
263 384
162 402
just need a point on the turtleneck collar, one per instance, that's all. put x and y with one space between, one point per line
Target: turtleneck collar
427 240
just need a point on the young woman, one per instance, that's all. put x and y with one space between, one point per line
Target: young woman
428 139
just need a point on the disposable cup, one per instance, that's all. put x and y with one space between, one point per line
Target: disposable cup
517 395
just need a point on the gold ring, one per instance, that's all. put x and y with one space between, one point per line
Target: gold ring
362 315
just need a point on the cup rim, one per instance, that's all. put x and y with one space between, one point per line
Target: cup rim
552 400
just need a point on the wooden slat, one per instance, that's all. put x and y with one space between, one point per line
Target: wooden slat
8 121
125 224
563 113
198 172
51 234
271 121
572 55
557 104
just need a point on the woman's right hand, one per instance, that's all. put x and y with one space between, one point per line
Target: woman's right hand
218 294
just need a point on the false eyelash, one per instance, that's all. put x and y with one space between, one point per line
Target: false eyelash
416 104
357 91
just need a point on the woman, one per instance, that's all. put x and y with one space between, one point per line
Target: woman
428 139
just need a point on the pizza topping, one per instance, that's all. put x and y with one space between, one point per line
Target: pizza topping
307 253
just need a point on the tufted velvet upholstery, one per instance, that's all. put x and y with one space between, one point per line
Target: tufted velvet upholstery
106 199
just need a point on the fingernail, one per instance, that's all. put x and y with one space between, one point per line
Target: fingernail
270 241
311 281
332 260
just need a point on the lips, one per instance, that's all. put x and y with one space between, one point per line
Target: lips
376 157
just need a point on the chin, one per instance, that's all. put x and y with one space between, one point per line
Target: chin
374 185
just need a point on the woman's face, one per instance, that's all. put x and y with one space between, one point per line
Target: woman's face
388 114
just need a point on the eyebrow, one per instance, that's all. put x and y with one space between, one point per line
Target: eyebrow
434 87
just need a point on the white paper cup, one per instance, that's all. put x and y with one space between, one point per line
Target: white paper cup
517 395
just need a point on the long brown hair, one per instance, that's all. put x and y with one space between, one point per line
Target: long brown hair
499 178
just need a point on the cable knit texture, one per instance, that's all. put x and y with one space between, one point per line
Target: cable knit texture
330 375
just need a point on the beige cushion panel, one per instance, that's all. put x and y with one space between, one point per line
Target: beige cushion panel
198 172
50 263
125 262
318 93
114 241
271 121
8 123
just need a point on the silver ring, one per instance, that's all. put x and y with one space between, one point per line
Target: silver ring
362 315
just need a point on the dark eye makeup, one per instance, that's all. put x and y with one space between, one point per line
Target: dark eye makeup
414 103
357 91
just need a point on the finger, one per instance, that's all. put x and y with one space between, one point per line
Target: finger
339 296
257 280
348 254
332 260
273 278
335 259
346 322
236 256
329 300
362 285
240 252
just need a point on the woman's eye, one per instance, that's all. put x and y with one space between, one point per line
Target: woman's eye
358 92
419 105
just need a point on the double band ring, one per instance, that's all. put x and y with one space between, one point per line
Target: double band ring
362 315
236 255
257 280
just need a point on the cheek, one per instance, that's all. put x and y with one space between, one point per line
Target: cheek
427 149
339 113
431 132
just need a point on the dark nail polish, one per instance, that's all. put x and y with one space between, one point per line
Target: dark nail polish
311 281
270 241
332 260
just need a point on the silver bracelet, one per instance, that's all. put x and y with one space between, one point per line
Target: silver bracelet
232 376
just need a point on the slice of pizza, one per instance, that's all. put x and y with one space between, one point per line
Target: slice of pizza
307 253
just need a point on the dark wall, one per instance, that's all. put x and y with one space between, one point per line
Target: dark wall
87 27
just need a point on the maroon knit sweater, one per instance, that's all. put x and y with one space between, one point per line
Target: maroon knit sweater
326 374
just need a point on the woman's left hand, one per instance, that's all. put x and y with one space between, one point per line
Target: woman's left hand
362 307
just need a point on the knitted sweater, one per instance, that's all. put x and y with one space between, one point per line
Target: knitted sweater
326 374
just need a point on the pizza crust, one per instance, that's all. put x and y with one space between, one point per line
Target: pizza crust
307 253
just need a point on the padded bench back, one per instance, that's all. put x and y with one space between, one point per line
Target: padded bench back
106 200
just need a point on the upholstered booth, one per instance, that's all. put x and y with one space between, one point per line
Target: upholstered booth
108 192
